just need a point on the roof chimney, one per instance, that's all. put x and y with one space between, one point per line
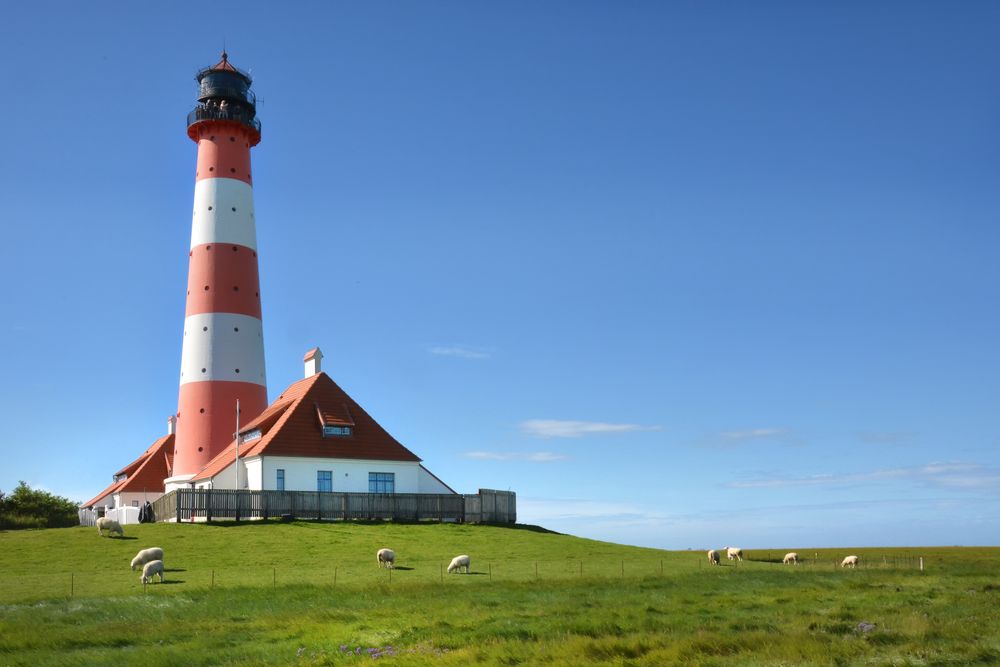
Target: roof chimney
171 425
313 358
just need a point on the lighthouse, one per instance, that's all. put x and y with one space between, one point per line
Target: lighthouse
222 357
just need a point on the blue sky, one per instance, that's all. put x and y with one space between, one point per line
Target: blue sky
680 274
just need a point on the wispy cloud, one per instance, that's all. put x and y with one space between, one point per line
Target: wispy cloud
954 475
535 457
755 434
461 351
554 428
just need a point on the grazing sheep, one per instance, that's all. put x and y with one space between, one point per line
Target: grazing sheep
792 558
386 557
850 561
150 569
713 557
734 553
458 562
146 555
110 525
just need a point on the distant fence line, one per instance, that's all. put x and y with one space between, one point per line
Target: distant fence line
487 506
411 572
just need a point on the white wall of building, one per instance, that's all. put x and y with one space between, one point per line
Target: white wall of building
349 475
133 499
428 483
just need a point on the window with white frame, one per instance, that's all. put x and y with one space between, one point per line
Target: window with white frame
381 482
324 480
333 431
280 481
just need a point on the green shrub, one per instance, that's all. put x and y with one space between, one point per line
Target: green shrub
31 508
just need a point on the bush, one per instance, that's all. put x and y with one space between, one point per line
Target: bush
29 508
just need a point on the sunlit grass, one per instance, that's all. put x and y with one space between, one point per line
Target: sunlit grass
274 601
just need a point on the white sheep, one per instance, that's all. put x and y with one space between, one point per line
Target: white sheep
791 557
734 553
150 569
386 558
850 561
713 557
146 555
458 562
110 525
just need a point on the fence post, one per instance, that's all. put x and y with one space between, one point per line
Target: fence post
921 563
208 506
178 495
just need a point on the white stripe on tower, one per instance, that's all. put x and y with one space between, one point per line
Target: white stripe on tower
222 359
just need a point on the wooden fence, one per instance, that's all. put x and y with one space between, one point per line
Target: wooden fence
487 506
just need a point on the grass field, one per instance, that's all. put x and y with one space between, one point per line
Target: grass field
311 594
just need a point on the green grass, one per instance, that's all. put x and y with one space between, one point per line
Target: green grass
256 594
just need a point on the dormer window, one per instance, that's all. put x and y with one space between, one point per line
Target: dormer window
250 436
120 477
335 421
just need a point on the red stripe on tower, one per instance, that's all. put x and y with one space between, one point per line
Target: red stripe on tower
222 358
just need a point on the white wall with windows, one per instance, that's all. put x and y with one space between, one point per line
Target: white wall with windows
135 499
295 473
351 475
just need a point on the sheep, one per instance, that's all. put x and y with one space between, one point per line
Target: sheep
734 553
386 557
849 561
150 569
713 557
146 555
791 557
458 562
110 525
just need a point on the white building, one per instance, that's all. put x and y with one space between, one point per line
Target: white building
314 437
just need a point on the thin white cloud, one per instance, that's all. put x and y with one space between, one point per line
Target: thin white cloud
535 457
755 433
954 475
461 351
554 428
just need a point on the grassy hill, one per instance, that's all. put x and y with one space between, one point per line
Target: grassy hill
311 594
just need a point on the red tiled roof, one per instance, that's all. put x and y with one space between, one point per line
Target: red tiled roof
298 430
224 64
311 354
146 473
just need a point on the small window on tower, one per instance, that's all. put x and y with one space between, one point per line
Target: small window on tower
336 431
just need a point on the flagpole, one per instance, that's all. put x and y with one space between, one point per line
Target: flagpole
237 444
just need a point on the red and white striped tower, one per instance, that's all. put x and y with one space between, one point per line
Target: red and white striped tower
223 352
